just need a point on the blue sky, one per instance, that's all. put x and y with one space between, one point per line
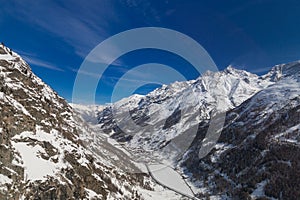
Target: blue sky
56 36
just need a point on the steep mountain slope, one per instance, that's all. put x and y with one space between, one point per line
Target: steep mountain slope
258 153
45 151
156 124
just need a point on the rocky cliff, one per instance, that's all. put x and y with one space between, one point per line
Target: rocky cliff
46 149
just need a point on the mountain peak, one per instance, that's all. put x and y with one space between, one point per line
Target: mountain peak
291 69
232 70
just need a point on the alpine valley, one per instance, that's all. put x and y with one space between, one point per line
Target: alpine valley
151 146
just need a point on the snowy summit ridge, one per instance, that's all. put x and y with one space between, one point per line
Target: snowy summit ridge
163 114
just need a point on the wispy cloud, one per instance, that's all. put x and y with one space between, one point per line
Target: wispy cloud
41 63
135 77
111 80
80 29
260 70
83 25
33 59
90 74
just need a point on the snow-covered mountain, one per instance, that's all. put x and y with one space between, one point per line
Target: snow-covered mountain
157 123
258 153
48 152
88 112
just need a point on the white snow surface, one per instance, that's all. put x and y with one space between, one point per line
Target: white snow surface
4 179
169 177
87 112
36 167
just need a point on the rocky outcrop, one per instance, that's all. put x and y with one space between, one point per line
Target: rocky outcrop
42 154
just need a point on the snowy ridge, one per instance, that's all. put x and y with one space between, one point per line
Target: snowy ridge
167 112
283 70
260 142
47 149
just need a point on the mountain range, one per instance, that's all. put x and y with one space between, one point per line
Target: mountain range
228 135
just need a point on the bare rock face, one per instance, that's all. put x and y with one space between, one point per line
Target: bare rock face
42 154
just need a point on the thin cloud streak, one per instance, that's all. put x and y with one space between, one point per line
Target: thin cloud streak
138 77
40 63
90 74
77 30
260 70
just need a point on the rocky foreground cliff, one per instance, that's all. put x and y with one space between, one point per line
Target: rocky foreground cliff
46 150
